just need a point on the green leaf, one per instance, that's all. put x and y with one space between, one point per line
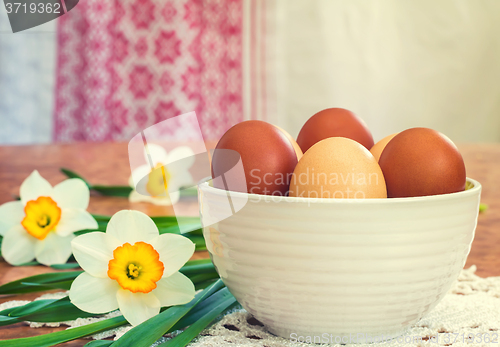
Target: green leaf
121 191
31 263
39 283
31 307
5 320
199 241
173 229
45 311
101 218
198 262
151 330
199 268
49 286
198 278
7 311
164 219
194 329
189 228
59 311
483 207
189 219
66 266
65 335
203 284
197 232
201 309
189 191
72 174
99 343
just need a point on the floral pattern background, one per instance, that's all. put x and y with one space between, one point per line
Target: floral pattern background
124 65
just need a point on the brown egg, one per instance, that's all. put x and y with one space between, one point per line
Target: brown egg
378 148
420 162
338 167
334 122
268 159
296 147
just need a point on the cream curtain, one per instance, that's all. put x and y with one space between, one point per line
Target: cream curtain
27 78
397 64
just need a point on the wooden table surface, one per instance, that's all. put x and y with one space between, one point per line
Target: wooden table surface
107 163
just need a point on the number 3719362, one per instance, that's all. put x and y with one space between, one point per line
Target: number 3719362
40 7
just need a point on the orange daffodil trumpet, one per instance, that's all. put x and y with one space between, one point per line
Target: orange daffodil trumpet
131 267
161 176
41 225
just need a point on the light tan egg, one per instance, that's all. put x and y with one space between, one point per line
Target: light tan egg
338 167
294 143
378 148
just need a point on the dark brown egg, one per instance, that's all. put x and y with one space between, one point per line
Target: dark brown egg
268 159
420 162
334 122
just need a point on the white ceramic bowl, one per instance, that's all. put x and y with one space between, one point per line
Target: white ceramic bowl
310 267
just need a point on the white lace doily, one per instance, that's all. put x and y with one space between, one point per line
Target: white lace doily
472 307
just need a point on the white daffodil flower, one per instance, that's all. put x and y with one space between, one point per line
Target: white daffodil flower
131 267
41 225
170 172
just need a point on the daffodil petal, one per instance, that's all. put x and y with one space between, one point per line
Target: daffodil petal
183 156
93 252
178 181
158 154
11 213
33 187
138 174
54 249
137 307
176 289
135 196
71 193
160 201
175 251
94 295
132 226
18 247
73 219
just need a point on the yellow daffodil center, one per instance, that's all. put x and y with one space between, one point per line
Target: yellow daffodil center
158 181
136 268
42 216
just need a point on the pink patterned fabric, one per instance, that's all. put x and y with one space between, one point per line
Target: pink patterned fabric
124 65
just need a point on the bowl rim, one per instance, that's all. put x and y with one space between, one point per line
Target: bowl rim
475 190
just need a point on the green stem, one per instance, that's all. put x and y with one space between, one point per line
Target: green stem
65 335
150 331
216 309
